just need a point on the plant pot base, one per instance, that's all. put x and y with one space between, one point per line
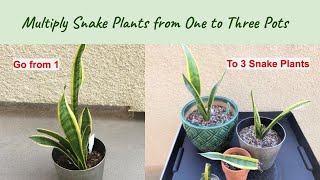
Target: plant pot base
268 155
94 173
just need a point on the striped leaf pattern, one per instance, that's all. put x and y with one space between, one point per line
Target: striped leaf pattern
85 140
207 172
77 131
71 129
63 141
192 69
85 120
242 162
262 131
213 94
197 97
76 79
47 142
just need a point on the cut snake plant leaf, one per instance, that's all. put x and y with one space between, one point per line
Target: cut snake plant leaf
192 69
284 113
48 142
85 140
194 92
71 128
207 172
85 120
63 141
213 94
76 79
242 162
257 120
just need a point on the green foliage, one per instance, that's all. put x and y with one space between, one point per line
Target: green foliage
192 82
261 130
77 130
207 172
242 162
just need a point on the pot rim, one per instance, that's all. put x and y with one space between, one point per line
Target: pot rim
284 133
235 171
217 98
82 170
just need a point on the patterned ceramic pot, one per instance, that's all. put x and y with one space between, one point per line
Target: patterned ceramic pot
210 138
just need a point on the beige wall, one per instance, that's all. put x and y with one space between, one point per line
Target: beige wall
274 89
114 75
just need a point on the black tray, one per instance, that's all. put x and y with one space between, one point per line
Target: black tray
294 161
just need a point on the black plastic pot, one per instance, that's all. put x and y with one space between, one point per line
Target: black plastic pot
266 155
94 173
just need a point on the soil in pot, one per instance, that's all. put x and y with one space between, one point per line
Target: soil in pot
248 135
231 167
218 116
92 160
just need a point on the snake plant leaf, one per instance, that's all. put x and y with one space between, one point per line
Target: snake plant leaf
195 94
48 142
85 120
257 120
192 69
202 113
242 162
63 141
213 94
76 79
228 108
207 172
284 113
71 128
85 140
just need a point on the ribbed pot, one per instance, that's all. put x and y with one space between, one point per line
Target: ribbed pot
266 155
235 174
94 173
210 138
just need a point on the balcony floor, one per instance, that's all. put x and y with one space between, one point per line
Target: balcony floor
23 159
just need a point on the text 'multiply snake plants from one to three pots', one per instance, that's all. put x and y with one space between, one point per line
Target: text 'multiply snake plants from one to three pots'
206 138
77 129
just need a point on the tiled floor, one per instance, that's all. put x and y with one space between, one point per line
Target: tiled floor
23 159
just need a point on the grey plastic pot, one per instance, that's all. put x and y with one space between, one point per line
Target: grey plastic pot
212 177
267 155
94 173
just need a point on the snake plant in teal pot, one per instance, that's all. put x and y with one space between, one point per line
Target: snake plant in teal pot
209 121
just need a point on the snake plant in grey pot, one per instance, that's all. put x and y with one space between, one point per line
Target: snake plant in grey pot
262 136
209 121
77 155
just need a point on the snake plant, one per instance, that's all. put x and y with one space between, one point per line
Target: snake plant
238 161
192 82
260 129
207 172
77 130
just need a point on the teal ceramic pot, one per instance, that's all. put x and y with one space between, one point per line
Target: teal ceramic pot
210 138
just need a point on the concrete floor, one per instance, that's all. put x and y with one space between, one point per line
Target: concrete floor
23 159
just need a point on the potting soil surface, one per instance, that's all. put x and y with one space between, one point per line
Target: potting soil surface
218 116
248 135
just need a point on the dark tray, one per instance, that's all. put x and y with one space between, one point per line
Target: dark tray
294 161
